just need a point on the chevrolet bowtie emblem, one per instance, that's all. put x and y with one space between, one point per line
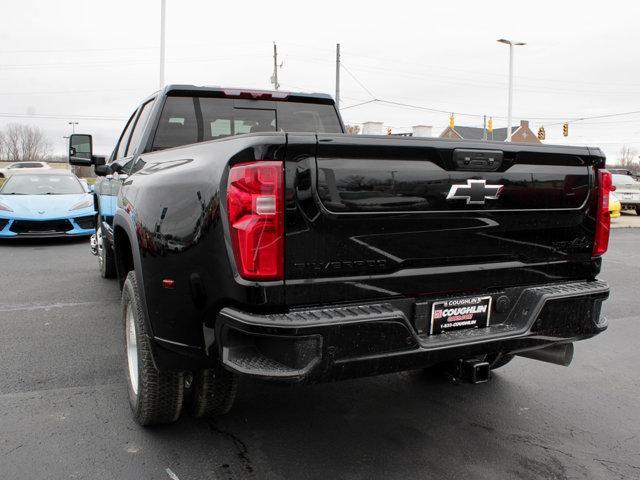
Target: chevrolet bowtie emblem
475 192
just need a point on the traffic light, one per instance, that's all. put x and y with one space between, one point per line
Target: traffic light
565 129
452 122
490 124
541 133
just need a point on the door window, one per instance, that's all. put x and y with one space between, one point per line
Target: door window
138 130
124 139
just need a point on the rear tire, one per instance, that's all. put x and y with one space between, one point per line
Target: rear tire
106 256
154 396
637 210
214 391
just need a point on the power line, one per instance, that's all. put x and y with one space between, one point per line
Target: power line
439 78
357 80
359 104
437 110
594 117
122 62
476 73
73 92
62 117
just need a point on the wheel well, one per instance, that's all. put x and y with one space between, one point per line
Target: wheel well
123 254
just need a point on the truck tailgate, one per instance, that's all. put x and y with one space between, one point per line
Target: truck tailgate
368 217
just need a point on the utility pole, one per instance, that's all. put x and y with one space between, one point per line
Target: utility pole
274 77
337 76
73 126
511 45
163 7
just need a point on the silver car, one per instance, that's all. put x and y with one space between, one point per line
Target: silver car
627 191
24 167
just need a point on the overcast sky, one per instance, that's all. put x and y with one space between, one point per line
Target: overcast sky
93 61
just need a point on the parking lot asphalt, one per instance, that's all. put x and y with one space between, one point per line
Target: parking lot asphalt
627 219
64 411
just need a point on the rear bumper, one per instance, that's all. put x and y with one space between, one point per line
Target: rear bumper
321 344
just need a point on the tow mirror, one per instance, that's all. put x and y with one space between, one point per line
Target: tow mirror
100 167
80 150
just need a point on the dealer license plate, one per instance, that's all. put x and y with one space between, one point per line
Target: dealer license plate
460 313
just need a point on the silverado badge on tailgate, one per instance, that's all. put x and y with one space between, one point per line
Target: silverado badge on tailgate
459 313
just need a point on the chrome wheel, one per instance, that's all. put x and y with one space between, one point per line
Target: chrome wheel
99 246
132 349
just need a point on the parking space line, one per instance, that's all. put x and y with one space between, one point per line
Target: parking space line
26 307
172 475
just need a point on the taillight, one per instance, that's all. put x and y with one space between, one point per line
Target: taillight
603 218
256 219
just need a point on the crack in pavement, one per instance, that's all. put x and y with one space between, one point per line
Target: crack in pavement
241 448
13 450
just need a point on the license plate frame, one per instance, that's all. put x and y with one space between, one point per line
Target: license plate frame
474 313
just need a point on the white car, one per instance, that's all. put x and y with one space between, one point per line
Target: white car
627 191
24 167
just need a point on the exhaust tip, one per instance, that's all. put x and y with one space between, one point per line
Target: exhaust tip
561 354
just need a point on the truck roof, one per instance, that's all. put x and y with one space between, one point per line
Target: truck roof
249 93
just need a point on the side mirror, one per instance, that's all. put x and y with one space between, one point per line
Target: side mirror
100 168
80 150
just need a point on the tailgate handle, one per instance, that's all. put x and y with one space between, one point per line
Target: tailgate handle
477 160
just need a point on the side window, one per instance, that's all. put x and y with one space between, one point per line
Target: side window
139 128
177 125
124 139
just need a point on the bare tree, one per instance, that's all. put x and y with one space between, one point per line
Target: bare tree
13 133
34 145
25 142
1 145
627 157
353 129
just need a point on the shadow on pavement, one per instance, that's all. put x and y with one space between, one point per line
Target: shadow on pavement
409 425
41 242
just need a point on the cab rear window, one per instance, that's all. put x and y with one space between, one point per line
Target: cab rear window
186 120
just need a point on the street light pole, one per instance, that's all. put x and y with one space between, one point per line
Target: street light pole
163 6
338 76
511 45
73 126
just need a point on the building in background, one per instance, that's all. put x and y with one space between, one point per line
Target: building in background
522 134
377 128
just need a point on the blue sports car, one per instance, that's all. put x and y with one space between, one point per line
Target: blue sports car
51 204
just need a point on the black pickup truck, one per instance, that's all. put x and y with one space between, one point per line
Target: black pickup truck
251 236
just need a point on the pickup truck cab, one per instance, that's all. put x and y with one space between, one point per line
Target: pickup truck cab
251 236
